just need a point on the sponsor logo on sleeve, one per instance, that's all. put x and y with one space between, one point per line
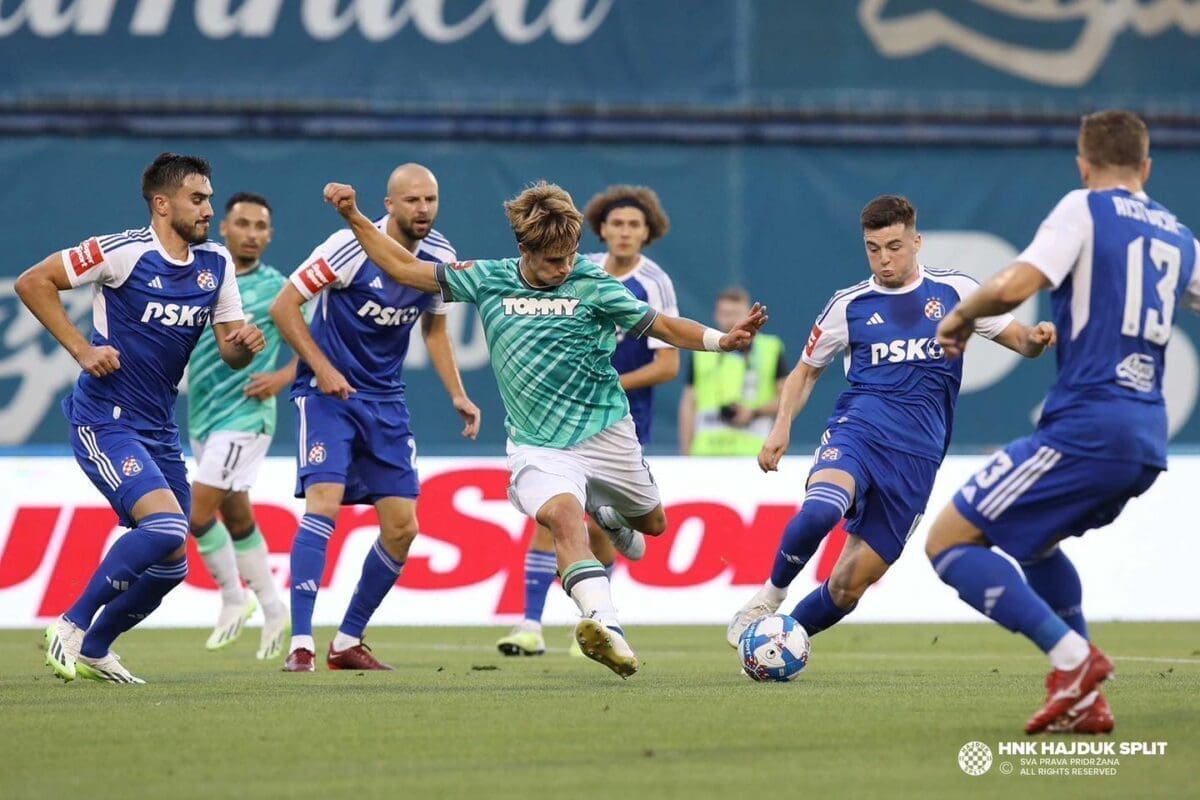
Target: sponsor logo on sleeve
459 266
317 275
85 256
812 340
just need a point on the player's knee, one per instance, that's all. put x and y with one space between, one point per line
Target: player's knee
562 519
655 523
199 527
399 536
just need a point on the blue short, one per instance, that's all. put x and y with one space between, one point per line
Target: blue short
125 464
1030 495
365 445
891 489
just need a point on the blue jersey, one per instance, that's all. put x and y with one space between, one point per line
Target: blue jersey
153 310
363 319
902 389
649 283
1120 265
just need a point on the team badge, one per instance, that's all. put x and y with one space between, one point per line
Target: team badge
316 454
934 309
207 281
131 466
831 454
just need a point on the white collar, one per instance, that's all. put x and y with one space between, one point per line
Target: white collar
163 251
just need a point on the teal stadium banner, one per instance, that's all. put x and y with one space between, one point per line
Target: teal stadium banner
91 90
951 56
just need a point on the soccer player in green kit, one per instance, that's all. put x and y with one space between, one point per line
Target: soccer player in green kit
550 319
231 419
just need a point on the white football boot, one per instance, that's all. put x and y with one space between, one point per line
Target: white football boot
629 543
766 601
108 668
230 622
63 640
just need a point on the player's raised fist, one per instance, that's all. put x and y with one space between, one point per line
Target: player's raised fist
248 337
342 197
99 361
1044 333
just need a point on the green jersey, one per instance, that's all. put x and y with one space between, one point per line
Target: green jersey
551 348
216 397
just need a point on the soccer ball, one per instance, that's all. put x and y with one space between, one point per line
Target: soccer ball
774 648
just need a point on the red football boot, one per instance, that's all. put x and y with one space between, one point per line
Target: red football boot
357 657
1065 688
300 660
1090 715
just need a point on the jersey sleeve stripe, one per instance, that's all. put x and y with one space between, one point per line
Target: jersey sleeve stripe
345 256
440 273
643 325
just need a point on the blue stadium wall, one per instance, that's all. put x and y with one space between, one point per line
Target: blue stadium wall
765 125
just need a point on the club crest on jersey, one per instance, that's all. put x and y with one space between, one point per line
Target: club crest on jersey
539 306
316 454
131 466
831 454
206 280
934 309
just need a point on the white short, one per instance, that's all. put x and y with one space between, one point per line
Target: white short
230 459
603 470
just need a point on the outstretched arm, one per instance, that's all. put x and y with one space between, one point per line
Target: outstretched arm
690 335
792 400
388 254
1003 292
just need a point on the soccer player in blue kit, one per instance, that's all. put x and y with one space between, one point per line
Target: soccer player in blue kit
1118 265
354 443
888 432
627 219
155 291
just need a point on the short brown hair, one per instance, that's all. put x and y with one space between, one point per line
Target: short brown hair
642 198
886 210
544 218
1114 138
735 294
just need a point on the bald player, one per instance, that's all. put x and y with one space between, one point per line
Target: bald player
354 443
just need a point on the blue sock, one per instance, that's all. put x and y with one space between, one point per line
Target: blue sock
540 569
308 565
155 537
824 505
817 611
379 574
133 605
1055 580
991 585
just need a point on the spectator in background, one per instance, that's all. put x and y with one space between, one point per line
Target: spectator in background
730 399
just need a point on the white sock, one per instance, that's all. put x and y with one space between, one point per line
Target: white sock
594 598
252 565
1070 651
345 642
222 563
774 593
303 642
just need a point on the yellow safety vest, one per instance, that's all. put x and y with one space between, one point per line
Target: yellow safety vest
721 379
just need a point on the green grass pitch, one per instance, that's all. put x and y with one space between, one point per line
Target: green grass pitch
880 712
